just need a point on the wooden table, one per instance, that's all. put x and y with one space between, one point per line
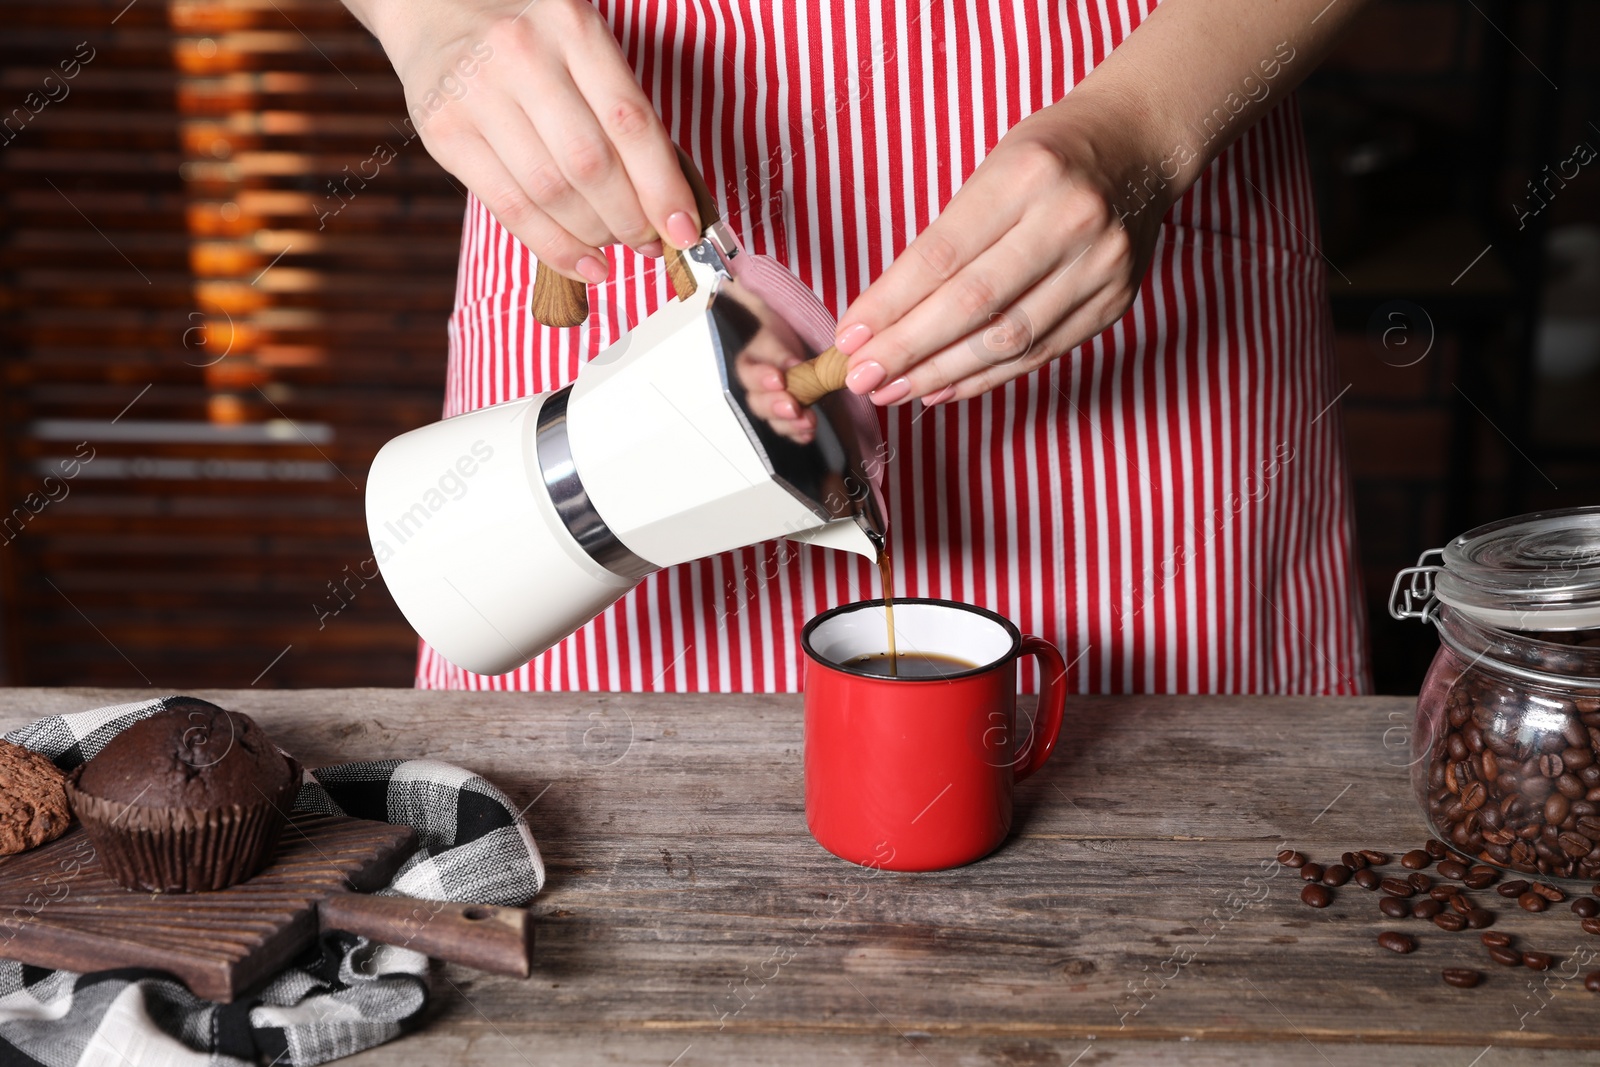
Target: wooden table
1136 916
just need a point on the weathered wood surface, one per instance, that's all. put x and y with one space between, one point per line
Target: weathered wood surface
1136 913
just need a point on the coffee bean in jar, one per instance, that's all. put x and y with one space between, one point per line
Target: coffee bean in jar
1506 748
1513 778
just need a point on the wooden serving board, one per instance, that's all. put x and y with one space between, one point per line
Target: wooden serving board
58 908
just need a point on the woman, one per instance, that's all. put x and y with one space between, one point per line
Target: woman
1116 328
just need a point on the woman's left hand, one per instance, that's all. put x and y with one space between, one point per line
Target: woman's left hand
1029 260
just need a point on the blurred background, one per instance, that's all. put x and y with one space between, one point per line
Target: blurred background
226 264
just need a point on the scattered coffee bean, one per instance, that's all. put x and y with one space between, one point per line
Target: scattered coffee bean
1425 908
1591 981
1591 926
1595 889
1586 907
1508 957
1394 907
1527 843
1395 941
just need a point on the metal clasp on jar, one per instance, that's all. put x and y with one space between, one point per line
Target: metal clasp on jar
1412 595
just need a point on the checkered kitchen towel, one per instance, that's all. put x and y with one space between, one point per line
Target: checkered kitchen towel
343 995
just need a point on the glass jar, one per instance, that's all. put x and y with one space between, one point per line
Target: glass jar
1506 744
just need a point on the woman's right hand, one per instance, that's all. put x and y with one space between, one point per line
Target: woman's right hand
534 108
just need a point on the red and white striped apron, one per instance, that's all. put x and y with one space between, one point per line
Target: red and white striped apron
1167 503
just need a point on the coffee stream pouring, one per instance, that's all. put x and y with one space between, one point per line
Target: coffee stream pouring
501 531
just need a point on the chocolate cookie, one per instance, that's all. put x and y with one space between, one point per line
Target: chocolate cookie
33 804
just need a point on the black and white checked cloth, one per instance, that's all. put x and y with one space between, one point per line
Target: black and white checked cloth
343 995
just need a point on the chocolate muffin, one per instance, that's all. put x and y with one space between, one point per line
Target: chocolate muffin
33 802
191 799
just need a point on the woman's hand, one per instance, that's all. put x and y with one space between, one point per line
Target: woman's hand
533 107
1028 260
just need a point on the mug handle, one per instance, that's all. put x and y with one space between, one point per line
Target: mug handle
1052 702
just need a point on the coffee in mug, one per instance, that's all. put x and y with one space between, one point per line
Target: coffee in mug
910 664
914 770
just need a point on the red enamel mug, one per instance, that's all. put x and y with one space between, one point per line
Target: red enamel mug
916 773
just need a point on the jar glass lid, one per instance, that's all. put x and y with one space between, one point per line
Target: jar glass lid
1531 572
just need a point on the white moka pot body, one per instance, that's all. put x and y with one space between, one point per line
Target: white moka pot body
470 545
501 531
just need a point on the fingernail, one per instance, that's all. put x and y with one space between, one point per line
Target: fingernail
652 249
593 269
787 409
852 337
940 397
865 378
892 393
772 381
681 231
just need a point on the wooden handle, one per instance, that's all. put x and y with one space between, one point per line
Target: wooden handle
816 378
481 936
678 273
560 301
705 205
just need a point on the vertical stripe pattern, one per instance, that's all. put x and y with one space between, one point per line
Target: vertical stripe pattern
1167 503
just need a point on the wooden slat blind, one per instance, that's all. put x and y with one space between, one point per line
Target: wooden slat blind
198 294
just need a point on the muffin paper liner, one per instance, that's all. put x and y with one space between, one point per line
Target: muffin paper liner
183 850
